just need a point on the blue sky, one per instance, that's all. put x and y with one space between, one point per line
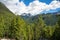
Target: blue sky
51 11
46 1
28 1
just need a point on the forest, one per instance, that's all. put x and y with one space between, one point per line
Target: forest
39 27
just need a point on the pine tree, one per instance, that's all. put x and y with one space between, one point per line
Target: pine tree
56 35
39 25
18 29
13 28
30 29
1 26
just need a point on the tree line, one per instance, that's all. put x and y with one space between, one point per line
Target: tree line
17 28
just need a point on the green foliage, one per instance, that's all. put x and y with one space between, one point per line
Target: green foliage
38 27
1 26
56 35
5 20
48 31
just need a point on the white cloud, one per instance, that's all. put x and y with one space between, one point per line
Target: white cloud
34 7
54 4
37 7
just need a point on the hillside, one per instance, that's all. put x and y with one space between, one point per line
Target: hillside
4 10
5 13
5 19
49 18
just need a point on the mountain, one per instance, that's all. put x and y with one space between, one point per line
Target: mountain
5 14
4 9
49 18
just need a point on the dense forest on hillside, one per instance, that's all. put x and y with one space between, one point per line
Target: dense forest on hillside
39 27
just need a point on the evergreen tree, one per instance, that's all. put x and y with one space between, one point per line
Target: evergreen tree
49 30
56 35
30 28
13 28
39 25
1 26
